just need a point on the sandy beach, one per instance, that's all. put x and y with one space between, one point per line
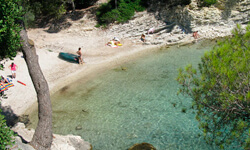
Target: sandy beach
59 73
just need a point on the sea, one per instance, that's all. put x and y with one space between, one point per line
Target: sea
133 103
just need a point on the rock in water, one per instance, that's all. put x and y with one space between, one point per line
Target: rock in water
78 128
142 146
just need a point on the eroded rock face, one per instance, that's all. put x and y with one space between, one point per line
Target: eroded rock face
211 22
229 12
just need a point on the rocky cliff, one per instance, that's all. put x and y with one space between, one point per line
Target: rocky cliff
225 12
214 21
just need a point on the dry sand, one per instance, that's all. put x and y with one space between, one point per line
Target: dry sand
59 73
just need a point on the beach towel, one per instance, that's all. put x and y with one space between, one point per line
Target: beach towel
5 86
112 44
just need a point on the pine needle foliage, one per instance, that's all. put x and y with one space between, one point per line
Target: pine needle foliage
10 13
6 135
208 2
220 90
118 11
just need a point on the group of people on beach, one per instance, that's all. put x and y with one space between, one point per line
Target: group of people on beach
143 36
151 30
13 67
115 42
3 81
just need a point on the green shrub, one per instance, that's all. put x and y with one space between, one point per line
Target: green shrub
208 2
120 11
6 135
29 19
126 12
45 8
111 16
10 13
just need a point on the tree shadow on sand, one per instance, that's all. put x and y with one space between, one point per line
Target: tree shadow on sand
57 25
11 118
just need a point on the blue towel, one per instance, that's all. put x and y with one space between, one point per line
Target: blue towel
9 80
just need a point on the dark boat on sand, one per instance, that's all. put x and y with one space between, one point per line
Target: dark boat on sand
68 57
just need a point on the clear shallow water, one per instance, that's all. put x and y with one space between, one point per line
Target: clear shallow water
135 104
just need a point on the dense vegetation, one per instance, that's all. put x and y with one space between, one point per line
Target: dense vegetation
44 10
119 10
14 37
208 2
220 91
10 12
6 135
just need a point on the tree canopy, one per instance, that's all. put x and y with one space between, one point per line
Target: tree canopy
10 13
221 91
13 37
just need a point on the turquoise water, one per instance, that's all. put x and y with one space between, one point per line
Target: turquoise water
133 103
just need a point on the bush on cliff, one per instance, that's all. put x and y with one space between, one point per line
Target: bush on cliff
208 2
118 10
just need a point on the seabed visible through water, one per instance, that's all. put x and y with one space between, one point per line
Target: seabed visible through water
133 103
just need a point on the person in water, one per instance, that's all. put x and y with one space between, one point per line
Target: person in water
79 52
13 67
196 35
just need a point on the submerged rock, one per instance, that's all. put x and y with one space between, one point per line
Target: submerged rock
142 146
78 128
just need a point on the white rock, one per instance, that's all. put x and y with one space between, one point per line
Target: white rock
68 142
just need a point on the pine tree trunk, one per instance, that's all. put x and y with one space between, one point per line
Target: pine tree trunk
73 6
42 138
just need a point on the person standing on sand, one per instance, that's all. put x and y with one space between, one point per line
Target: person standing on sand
80 61
13 67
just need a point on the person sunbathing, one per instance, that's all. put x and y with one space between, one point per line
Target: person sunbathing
3 80
113 43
